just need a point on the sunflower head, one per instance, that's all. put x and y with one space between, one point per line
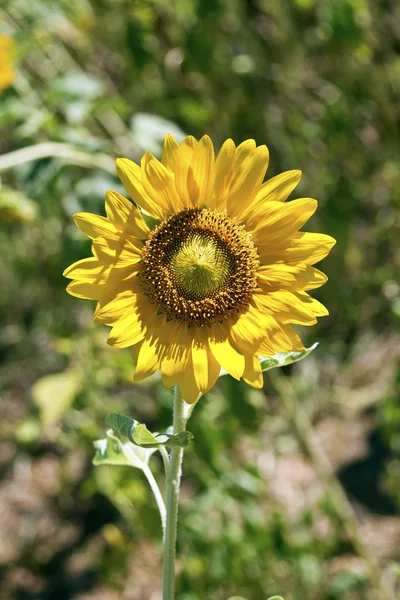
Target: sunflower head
222 276
199 266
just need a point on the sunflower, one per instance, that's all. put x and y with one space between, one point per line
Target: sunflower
6 70
219 278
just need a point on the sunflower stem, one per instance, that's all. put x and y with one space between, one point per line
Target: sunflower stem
165 458
173 483
157 495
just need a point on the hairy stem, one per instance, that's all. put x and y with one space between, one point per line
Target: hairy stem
157 495
173 484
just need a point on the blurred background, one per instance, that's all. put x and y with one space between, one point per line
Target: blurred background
294 489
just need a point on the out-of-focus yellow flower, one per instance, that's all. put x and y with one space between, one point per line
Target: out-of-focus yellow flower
222 276
6 68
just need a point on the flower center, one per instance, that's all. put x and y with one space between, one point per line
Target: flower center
199 267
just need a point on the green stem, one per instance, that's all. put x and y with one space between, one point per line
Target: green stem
165 457
173 483
157 495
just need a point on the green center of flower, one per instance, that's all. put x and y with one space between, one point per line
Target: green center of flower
201 266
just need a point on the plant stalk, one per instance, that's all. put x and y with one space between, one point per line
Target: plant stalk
173 484
157 495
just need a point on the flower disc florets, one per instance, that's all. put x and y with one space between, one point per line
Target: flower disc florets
199 266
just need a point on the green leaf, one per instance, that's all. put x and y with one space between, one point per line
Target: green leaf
181 439
54 394
281 359
138 434
143 437
111 451
16 207
121 423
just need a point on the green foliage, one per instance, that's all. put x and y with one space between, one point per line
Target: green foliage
282 359
138 434
111 451
54 394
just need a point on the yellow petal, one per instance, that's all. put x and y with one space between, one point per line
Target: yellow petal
274 335
131 328
116 286
310 279
247 181
177 355
316 307
87 291
295 278
200 364
205 366
130 175
187 384
279 221
125 216
297 344
159 184
308 248
169 152
224 168
252 372
225 354
183 159
279 275
147 362
243 151
89 270
214 369
245 331
118 307
117 252
93 225
118 209
286 307
200 173
277 189
156 346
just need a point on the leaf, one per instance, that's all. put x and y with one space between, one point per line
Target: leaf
54 394
143 437
181 439
111 451
16 207
138 434
121 423
281 359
